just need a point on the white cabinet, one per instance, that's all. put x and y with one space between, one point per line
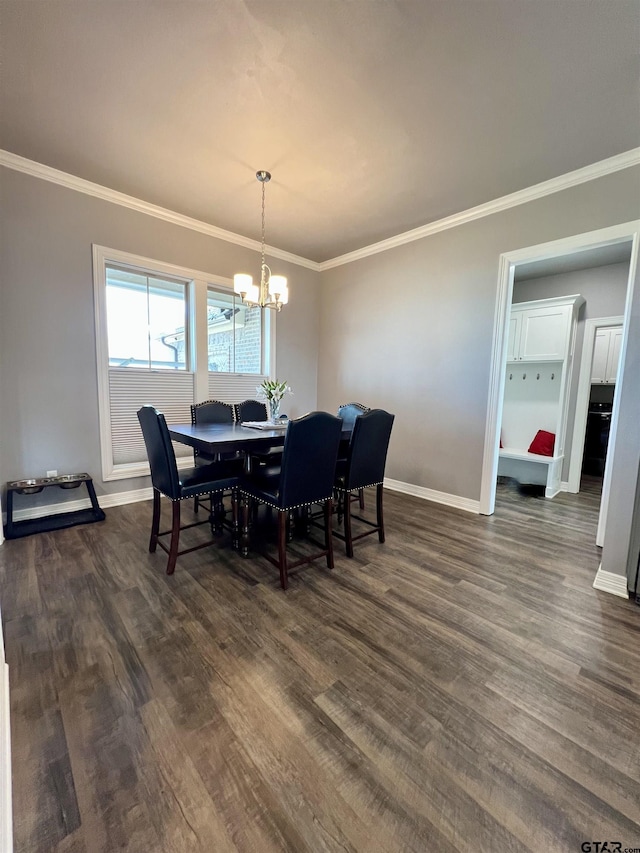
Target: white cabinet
606 355
537 383
538 333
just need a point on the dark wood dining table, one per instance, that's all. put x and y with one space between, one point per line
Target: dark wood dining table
222 438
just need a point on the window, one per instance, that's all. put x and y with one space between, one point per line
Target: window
234 334
169 337
146 320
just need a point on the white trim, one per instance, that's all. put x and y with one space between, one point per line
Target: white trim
71 182
613 584
562 182
557 248
6 828
431 495
625 160
620 380
582 397
496 386
145 494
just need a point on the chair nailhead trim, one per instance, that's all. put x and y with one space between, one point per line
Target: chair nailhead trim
353 488
284 508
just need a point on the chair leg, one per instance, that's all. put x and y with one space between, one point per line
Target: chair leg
155 522
175 538
348 541
196 504
244 533
217 512
235 519
361 497
282 547
328 534
380 517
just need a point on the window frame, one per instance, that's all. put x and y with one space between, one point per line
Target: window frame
197 285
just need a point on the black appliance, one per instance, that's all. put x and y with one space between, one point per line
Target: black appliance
596 438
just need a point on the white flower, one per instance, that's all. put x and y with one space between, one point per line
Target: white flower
273 391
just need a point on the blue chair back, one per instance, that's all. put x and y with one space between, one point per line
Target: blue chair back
350 411
368 447
162 458
251 410
309 459
212 412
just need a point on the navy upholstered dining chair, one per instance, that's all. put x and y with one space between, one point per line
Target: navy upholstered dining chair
363 468
210 412
349 412
304 478
254 410
251 410
213 479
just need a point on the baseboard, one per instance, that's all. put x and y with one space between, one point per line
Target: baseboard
431 495
105 501
6 824
608 582
564 486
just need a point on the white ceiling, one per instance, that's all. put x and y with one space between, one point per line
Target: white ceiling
374 117
600 256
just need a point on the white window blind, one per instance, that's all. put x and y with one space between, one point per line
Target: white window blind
171 392
234 387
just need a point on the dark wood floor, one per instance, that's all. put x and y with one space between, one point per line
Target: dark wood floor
461 688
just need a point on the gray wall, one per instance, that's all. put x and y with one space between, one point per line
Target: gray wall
48 387
411 329
605 289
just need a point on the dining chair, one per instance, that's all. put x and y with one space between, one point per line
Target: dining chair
349 412
210 412
364 468
304 478
251 410
213 479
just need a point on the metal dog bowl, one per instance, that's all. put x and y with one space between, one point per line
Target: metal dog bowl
28 487
69 481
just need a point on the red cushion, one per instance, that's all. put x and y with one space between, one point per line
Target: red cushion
543 443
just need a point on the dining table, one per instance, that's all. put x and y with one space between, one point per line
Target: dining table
223 438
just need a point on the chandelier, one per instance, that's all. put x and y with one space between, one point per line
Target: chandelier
272 291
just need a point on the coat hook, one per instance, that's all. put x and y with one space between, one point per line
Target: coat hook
553 376
524 375
537 376
511 376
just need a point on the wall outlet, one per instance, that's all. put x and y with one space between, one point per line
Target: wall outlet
52 473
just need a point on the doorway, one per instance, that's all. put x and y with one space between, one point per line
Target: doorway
628 233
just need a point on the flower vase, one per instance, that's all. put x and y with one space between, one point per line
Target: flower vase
274 405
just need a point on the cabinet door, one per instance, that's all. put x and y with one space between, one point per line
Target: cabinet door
513 342
600 356
613 360
545 333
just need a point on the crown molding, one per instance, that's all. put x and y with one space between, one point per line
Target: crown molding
562 182
64 179
571 179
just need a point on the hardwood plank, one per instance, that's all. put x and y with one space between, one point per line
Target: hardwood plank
461 687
